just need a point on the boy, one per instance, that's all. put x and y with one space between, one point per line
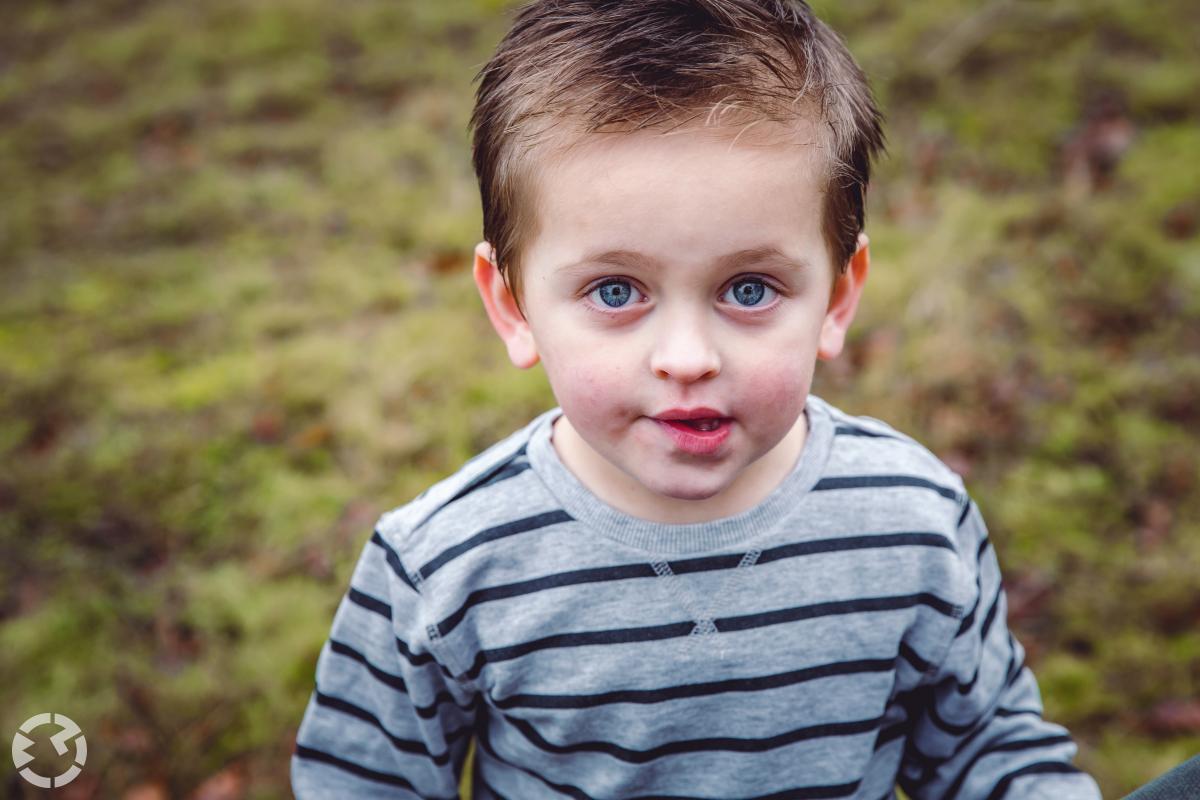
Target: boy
692 579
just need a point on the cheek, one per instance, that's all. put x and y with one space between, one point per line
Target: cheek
592 389
779 386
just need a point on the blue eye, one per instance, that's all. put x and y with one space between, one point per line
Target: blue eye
750 292
615 294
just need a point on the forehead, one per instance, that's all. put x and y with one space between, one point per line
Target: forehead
695 189
804 140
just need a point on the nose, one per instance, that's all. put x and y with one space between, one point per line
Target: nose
684 351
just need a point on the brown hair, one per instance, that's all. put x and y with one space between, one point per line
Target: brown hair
621 65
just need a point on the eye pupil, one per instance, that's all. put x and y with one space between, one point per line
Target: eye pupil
749 293
615 294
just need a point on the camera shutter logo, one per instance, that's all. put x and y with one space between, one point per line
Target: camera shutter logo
70 732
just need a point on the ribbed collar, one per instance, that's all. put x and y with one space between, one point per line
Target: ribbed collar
657 537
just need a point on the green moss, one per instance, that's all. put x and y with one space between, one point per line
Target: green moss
236 316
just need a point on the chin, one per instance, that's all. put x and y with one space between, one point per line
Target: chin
687 490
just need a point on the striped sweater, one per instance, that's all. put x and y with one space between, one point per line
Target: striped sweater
845 636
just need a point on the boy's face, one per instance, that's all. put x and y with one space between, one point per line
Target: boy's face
677 275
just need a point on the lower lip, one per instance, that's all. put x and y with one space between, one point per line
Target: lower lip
696 442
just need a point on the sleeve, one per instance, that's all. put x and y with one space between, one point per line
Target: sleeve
387 718
977 726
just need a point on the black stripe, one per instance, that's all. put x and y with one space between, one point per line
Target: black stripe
1002 785
930 762
965 688
1012 712
500 473
891 733
394 681
485 743
798 793
504 469
725 624
911 656
412 746
492 534
948 727
1013 746
858 605
965 742
1041 768
849 430
370 603
397 683
377 606
648 696
554 581
1015 668
381 608
991 615
687 566
416 659
983 723
965 512
727 744
883 481
477 783
1010 676
312 754
969 619
393 559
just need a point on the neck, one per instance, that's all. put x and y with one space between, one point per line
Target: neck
621 491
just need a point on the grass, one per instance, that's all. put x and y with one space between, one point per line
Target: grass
237 324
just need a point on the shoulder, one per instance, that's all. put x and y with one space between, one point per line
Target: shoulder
866 446
903 486
480 491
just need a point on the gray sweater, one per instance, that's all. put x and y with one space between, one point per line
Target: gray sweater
846 635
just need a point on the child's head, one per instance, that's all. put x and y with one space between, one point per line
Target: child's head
673 206
569 68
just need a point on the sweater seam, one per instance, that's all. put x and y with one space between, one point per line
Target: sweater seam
439 648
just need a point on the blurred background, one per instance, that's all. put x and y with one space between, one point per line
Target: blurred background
237 323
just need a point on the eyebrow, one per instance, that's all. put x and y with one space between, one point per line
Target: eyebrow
729 261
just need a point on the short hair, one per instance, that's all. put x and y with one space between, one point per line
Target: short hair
619 65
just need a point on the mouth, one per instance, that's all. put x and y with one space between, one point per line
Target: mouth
703 425
699 431
702 416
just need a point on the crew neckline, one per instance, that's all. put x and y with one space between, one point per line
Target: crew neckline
660 537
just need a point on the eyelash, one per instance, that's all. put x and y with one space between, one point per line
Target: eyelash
609 311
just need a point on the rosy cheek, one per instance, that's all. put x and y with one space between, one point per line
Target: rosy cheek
777 388
591 389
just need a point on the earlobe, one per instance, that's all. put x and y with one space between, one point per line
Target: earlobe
502 309
843 303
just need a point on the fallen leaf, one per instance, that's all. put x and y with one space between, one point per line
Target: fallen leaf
1175 718
228 784
147 791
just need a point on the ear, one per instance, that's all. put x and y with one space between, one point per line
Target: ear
843 302
502 309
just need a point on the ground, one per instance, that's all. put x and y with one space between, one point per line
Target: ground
237 323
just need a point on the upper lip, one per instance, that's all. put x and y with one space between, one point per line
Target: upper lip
689 413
